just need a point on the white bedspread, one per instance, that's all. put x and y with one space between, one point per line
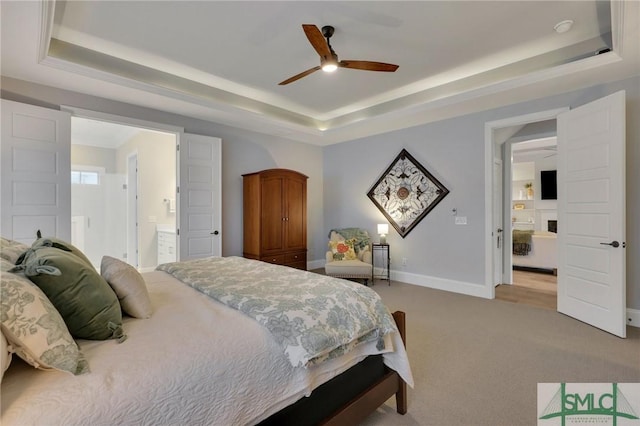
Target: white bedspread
194 362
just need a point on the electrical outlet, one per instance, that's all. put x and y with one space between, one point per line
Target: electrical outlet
404 261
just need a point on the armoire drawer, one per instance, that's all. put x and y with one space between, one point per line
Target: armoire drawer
278 259
296 257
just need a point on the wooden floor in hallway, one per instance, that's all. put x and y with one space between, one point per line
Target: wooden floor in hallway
530 288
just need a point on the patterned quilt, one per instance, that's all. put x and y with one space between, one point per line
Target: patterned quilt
312 317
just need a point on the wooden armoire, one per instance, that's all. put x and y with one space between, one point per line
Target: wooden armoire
275 217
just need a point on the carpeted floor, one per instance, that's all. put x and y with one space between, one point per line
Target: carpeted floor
478 361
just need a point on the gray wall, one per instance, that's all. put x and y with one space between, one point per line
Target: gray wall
452 150
242 152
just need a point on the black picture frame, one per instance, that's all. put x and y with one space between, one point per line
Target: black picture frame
406 192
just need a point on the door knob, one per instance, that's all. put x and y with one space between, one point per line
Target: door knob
215 233
612 244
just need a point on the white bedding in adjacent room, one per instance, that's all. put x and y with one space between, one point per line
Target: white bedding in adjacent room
195 361
543 254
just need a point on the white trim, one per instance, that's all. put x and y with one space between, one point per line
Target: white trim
315 264
120 119
489 127
46 28
633 317
461 287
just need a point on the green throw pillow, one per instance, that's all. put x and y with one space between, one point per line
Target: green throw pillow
59 244
87 303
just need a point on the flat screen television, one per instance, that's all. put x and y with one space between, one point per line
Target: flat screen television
548 185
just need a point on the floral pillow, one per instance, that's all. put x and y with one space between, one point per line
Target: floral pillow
34 328
11 250
343 250
5 355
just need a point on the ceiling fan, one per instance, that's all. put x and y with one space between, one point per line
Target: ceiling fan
328 57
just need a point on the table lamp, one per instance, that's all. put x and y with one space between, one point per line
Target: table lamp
383 230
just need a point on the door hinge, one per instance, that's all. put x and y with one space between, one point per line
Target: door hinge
178 231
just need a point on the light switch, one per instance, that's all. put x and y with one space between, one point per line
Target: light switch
461 220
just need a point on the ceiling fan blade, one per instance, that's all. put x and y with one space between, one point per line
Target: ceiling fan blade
299 76
317 40
368 66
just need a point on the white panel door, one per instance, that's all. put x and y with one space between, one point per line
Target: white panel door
199 211
591 214
36 172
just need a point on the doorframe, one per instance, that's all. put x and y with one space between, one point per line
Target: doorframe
134 122
133 235
498 219
490 128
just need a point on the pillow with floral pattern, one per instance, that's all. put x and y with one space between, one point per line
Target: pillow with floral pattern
33 326
11 250
343 250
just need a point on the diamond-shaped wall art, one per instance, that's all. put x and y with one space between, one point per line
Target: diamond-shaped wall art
406 193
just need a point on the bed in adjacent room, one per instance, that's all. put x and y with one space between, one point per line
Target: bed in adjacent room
213 352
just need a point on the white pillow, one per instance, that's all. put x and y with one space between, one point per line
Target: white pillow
33 326
5 355
128 285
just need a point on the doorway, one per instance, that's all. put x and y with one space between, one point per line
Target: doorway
497 133
533 205
123 190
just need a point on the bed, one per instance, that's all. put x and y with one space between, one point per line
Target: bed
199 361
542 253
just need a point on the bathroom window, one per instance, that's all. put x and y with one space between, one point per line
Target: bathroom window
82 177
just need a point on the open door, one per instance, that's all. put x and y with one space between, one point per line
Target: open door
200 197
591 214
36 172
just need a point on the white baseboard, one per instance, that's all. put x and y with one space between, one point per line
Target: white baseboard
470 289
425 281
633 317
315 264
454 286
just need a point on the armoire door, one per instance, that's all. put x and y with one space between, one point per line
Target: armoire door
272 214
296 213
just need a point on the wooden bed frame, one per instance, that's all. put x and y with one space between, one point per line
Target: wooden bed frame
359 404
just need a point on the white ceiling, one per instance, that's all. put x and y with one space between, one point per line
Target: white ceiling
101 134
222 61
534 149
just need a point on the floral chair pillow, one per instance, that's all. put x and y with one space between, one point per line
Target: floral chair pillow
343 250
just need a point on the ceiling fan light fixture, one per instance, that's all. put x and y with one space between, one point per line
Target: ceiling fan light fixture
329 59
329 67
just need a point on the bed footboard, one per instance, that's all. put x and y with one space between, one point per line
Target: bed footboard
378 383
373 397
